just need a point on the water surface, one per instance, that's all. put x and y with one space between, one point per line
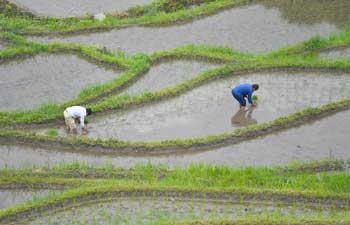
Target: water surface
337 54
167 74
28 83
312 11
146 210
67 8
9 198
324 139
211 109
253 28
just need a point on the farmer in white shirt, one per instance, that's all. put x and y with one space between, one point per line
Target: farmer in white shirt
75 114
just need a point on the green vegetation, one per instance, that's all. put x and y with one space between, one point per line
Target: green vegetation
52 132
199 181
316 44
160 12
317 185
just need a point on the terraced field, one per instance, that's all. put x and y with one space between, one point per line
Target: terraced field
167 143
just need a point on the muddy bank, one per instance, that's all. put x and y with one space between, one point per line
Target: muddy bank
146 210
167 74
343 53
211 109
9 198
30 82
252 28
66 8
324 139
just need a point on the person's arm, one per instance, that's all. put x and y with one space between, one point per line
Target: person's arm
250 97
82 124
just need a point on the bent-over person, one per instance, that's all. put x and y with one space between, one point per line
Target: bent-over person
73 116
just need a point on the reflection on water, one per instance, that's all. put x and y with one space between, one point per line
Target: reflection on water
335 12
251 28
340 53
9 198
207 110
28 83
169 73
66 8
243 118
324 139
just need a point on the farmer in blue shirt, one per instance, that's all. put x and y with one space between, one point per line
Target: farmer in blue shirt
243 91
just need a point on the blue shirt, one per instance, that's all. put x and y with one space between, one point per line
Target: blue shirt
245 90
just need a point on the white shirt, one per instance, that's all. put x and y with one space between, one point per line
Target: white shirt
77 112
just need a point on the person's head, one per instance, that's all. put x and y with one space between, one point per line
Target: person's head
255 87
88 111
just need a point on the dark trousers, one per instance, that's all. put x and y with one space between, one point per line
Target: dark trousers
239 97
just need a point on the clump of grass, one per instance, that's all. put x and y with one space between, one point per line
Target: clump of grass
52 133
315 43
255 98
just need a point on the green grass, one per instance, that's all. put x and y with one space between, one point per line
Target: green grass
316 44
198 176
52 132
154 14
203 181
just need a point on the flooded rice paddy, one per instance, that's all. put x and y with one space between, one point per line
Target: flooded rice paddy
211 109
147 210
253 28
323 139
9 198
66 8
312 12
259 27
337 54
30 82
167 74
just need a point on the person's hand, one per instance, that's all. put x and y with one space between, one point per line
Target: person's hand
75 131
84 130
242 107
254 104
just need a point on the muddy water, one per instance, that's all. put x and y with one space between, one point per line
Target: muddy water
211 109
9 198
146 211
168 74
66 8
251 28
312 12
34 81
337 54
324 139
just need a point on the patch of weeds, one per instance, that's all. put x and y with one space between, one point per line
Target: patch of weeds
52 133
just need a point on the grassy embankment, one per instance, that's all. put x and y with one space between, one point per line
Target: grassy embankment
158 13
281 185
